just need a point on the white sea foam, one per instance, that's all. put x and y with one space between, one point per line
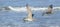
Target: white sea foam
20 9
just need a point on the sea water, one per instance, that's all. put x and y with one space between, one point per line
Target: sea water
15 19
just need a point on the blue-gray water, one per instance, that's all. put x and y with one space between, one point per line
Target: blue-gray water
35 3
15 19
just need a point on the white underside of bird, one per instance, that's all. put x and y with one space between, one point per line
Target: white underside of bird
28 19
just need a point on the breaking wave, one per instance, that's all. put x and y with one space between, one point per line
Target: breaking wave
23 9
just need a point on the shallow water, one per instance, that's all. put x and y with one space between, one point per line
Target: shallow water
15 19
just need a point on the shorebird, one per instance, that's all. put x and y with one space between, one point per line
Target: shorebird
30 15
49 11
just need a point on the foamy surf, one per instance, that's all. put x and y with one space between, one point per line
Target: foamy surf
23 9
